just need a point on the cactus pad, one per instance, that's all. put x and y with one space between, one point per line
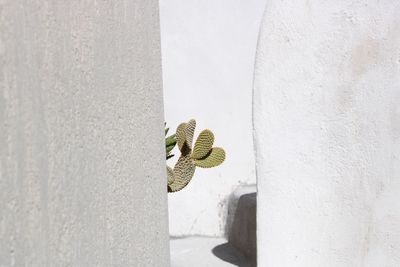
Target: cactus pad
181 135
183 172
170 143
203 144
213 159
190 127
170 175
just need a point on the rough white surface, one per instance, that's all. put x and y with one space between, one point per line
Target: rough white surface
208 51
327 134
82 176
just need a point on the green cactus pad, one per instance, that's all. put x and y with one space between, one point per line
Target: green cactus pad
203 144
170 175
190 127
170 143
169 149
170 140
181 135
183 171
213 159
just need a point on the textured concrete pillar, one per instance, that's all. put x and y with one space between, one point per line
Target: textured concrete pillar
82 176
327 134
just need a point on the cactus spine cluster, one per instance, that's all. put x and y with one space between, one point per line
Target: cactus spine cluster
202 155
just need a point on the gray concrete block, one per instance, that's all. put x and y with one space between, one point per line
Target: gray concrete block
242 222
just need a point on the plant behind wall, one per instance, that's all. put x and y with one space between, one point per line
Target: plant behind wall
202 155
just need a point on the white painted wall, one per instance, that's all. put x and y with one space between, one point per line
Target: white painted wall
82 167
327 133
208 51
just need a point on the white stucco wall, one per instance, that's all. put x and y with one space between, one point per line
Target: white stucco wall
82 176
208 51
327 134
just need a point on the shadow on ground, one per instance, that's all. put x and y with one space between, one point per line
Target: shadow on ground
228 253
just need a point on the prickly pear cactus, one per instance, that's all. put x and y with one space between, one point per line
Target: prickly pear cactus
203 155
